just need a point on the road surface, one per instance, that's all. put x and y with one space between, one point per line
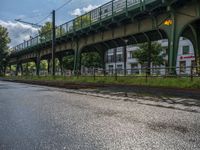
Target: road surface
44 118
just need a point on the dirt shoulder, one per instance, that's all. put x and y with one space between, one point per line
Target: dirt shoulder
119 89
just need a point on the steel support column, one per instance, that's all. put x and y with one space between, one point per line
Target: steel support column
125 57
149 58
10 67
27 68
53 43
37 62
77 59
21 69
60 58
17 69
77 62
115 60
173 45
49 66
194 37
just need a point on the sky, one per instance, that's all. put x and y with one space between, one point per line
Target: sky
36 10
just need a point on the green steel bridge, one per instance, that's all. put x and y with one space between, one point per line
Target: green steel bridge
117 23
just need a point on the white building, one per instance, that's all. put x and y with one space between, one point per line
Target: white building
185 58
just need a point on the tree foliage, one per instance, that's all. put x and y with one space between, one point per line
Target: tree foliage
43 65
68 62
4 49
157 55
45 32
91 59
82 21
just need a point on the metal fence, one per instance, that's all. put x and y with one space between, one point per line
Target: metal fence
145 72
191 73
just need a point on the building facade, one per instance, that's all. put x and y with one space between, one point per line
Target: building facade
185 59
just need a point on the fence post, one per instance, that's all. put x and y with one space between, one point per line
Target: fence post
191 73
77 74
115 74
146 76
94 73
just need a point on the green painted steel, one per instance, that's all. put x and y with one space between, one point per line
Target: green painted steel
115 10
93 18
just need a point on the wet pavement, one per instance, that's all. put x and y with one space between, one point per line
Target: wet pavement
45 118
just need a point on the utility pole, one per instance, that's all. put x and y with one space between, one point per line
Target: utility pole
53 42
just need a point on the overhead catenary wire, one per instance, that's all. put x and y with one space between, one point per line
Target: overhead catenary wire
63 5
40 21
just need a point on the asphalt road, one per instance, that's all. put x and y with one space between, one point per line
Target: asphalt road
44 118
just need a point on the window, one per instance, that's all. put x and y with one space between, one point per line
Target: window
184 38
110 58
120 49
130 55
134 68
119 58
186 50
182 66
110 67
119 69
119 66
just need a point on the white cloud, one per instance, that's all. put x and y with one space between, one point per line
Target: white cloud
89 8
79 11
18 32
76 12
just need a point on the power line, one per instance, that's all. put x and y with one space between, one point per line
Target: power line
31 17
67 2
36 23
44 18
63 5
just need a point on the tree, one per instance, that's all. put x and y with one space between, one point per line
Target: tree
156 54
82 21
91 60
68 62
45 32
43 65
4 49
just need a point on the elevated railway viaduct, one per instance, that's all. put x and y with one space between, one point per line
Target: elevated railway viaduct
114 24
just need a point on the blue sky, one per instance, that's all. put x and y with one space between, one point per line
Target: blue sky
35 10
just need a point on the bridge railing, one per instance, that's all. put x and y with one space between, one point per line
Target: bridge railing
100 14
